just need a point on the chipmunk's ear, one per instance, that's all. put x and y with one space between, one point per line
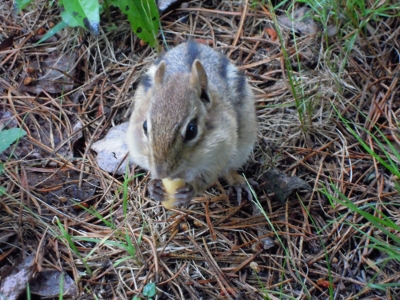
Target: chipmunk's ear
198 77
159 74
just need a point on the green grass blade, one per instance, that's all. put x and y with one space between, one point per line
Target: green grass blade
73 247
52 31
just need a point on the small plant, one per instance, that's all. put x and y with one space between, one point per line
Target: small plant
142 15
390 156
381 223
71 243
149 290
7 137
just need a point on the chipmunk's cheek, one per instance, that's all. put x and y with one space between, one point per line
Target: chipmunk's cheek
157 191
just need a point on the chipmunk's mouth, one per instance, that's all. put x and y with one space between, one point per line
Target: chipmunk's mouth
162 171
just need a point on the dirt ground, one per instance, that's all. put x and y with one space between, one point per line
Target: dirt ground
328 108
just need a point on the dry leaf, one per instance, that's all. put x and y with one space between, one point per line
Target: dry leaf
28 80
47 285
41 31
6 43
13 284
324 283
300 21
112 149
271 33
281 184
53 78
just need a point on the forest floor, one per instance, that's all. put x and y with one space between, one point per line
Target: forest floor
325 221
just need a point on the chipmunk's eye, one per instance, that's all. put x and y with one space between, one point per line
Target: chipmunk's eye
191 130
145 127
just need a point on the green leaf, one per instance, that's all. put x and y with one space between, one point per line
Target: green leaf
69 19
149 289
9 136
2 190
83 13
20 5
53 31
143 16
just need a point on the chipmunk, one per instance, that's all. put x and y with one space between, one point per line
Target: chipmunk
193 118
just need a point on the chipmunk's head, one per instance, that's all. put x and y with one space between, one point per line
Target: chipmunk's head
176 119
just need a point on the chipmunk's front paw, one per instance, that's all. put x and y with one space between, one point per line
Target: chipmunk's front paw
238 183
157 191
184 195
